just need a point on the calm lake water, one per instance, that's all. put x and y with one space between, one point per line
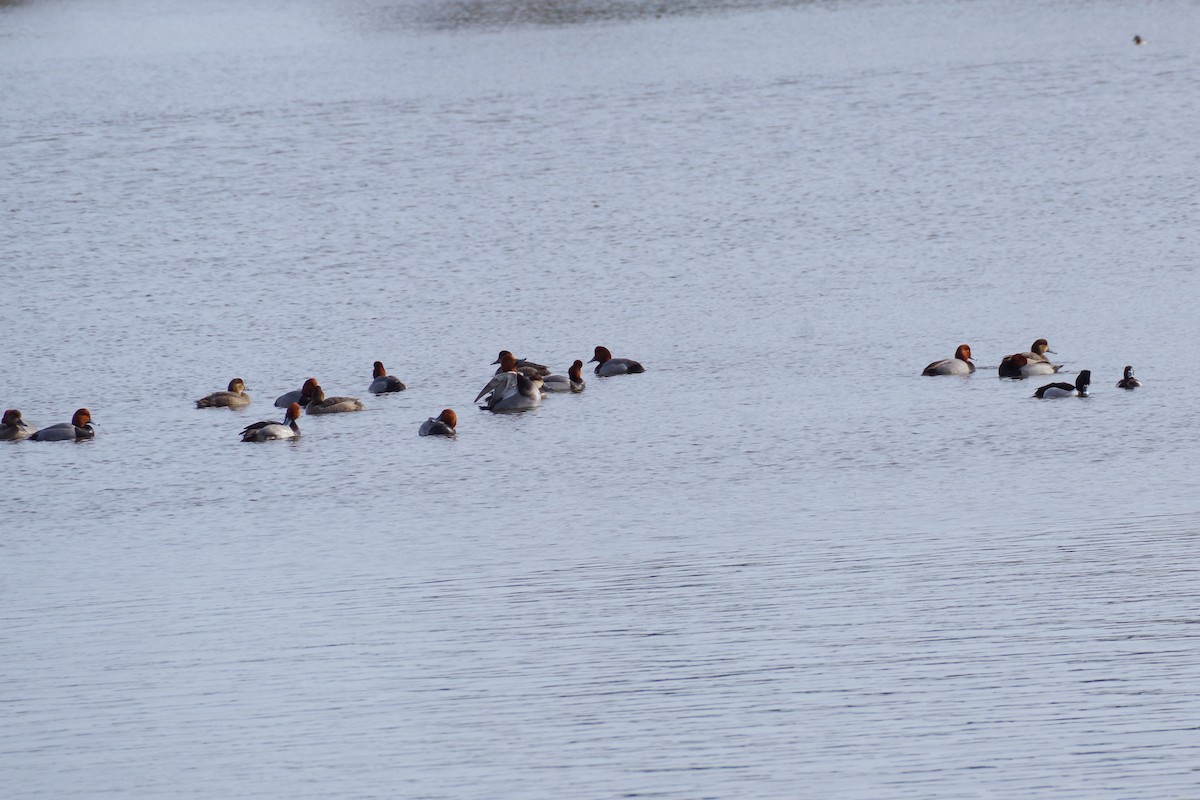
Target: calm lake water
780 563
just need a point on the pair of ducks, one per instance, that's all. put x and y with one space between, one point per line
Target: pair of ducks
1082 382
311 397
14 428
269 430
1017 365
520 384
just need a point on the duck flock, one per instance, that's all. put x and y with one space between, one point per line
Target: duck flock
518 385
1026 365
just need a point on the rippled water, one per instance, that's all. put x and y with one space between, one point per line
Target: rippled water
778 564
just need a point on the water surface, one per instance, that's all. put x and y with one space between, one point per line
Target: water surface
779 563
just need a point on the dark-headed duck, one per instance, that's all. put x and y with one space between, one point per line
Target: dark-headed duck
607 365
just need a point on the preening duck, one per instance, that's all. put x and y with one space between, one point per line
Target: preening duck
320 404
959 365
571 382
1128 382
13 428
269 430
383 382
1079 389
607 365
78 429
510 391
443 424
522 365
234 397
302 396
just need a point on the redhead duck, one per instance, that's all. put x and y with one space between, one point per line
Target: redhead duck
441 425
269 430
78 429
13 428
383 382
511 391
614 366
234 397
1128 382
522 365
320 404
571 382
302 396
959 365
1080 388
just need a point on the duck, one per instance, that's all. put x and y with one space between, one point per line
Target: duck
13 428
383 382
443 424
1034 362
510 391
614 366
269 430
1060 389
320 404
1128 382
571 382
302 396
959 365
234 397
523 365
78 429
1138 39
1018 365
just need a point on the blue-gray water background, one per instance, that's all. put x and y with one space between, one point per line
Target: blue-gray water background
778 564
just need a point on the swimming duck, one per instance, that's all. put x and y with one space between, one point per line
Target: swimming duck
1082 382
614 366
79 428
522 365
1019 366
571 382
269 430
320 404
1128 382
234 397
1138 39
383 382
302 396
510 391
13 428
959 365
441 425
